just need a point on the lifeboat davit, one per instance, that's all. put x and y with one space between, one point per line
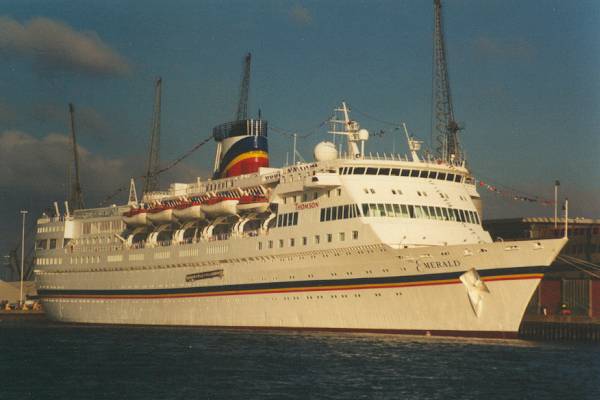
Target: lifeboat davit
189 211
220 206
255 204
161 215
136 217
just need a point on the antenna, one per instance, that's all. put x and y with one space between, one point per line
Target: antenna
76 195
242 109
151 179
446 128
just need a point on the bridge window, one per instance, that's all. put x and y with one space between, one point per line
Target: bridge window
441 176
358 171
383 171
432 174
423 174
371 171
414 173
405 172
395 172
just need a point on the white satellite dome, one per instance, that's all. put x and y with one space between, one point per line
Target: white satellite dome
363 134
325 151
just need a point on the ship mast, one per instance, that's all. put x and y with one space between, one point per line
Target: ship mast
446 128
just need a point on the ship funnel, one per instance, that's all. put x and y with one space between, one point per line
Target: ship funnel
242 147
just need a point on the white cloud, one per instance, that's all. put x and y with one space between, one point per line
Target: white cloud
301 15
55 45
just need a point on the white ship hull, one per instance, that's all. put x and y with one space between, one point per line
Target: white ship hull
373 291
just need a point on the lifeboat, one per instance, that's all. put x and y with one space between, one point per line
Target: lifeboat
136 217
255 204
161 215
220 206
189 211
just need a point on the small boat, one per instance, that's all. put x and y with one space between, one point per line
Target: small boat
253 203
220 206
189 211
161 215
136 217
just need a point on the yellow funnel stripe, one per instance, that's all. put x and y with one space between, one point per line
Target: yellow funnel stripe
245 156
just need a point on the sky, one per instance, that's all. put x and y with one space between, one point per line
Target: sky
524 76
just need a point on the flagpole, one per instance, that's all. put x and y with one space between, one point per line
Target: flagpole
556 184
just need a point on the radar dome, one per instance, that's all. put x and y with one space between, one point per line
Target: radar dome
325 151
363 134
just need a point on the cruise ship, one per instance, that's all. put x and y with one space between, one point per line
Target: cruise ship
352 241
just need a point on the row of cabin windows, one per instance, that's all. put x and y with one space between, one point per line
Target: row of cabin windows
291 242
287 219
425 212
340 212
414 173
308 196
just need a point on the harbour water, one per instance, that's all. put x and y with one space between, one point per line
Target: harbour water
43 360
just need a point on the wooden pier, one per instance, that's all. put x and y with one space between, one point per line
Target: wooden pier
563 328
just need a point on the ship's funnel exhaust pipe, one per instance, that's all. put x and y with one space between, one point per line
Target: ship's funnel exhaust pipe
242 147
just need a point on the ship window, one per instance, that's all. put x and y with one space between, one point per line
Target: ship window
438 213
358 171
383 171
342 236
280 242
418 212
411 211
279 220
389 210
339 192
41 244
372 191
457 178
328 214
397 210
260 245
270 244
304 240
285 200
350 170
355 235
456 214
52 244
365 208
432 212
305 197
405 172
477 218
395 172
444 213
393 191
322 214
432 174
341 171
292 242
462 216
340 212
315 195
329 237
425 211
381 210
450 177
371 171
414 173
290 219
441 176
423 174
295 218
346 211
317 239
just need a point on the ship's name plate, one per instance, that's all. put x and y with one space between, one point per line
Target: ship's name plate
429 265
305 206
217 273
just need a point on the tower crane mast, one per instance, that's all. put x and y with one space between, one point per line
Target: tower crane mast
446 128
76 195
151 178
242 109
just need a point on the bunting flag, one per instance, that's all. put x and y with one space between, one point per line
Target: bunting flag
513 195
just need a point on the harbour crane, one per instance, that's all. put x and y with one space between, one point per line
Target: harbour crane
242 109
76 195
446 128
153 166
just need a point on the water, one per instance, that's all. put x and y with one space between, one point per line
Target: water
41 360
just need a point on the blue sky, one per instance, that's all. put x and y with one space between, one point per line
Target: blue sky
524 77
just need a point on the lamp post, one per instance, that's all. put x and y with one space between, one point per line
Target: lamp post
23 213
